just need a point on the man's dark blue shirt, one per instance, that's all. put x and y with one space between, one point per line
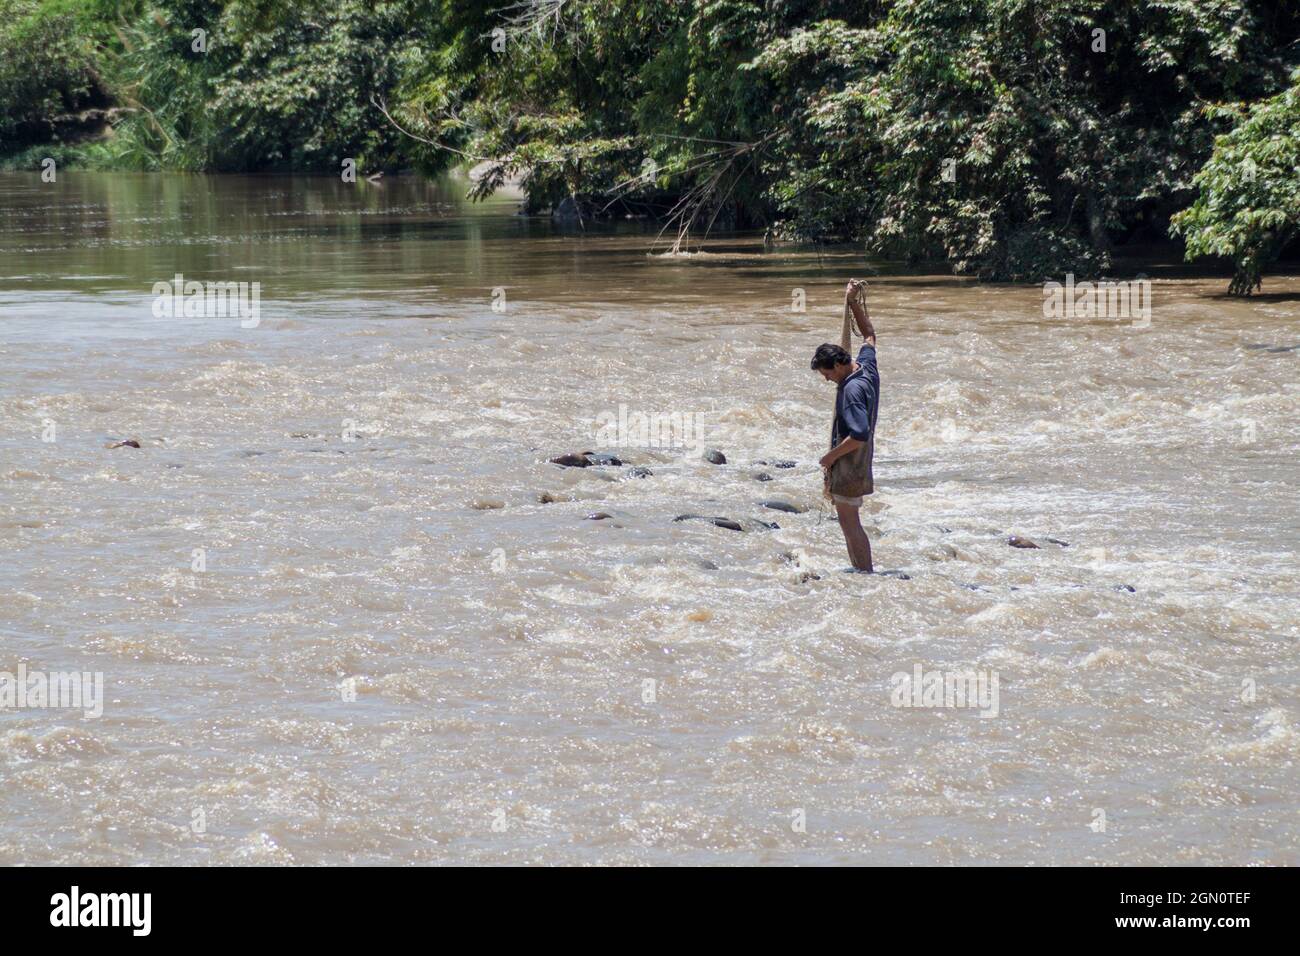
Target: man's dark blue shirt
857 400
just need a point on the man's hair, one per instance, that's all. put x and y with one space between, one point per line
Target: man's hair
829 356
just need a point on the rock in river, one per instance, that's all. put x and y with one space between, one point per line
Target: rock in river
585 460
720 522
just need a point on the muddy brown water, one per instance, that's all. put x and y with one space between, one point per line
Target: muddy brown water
394 651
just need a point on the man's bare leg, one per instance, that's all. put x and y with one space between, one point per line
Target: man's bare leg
857 540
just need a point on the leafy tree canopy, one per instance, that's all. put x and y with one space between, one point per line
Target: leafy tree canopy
1012 139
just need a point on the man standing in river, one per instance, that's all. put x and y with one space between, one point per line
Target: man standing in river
857 398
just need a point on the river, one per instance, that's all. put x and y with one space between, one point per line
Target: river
347 612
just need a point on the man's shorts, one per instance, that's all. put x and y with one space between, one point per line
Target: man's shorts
851 473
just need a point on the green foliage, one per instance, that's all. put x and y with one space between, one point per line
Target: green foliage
550 100
973 131
278 87
1248 207
1011 139
46 70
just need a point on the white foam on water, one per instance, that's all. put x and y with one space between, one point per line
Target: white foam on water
636 689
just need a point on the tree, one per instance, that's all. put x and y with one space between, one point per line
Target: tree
1014 139
1248 208
1011 139
47 72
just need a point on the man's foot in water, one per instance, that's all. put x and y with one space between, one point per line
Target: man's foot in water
902 576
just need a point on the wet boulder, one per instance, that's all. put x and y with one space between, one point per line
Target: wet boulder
1018 542
719 521
778 505
714 457
585 460
571 461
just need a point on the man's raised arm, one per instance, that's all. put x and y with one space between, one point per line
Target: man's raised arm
860 314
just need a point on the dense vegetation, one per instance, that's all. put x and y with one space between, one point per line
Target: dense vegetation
1010 138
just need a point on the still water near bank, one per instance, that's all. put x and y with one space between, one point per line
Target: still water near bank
534 686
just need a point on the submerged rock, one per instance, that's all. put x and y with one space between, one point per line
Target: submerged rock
1125 587
598 516
787 507
551 497
571 461
714 457
762 476
640 472
1018 542
720 522
585 460
1064 544
128 443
